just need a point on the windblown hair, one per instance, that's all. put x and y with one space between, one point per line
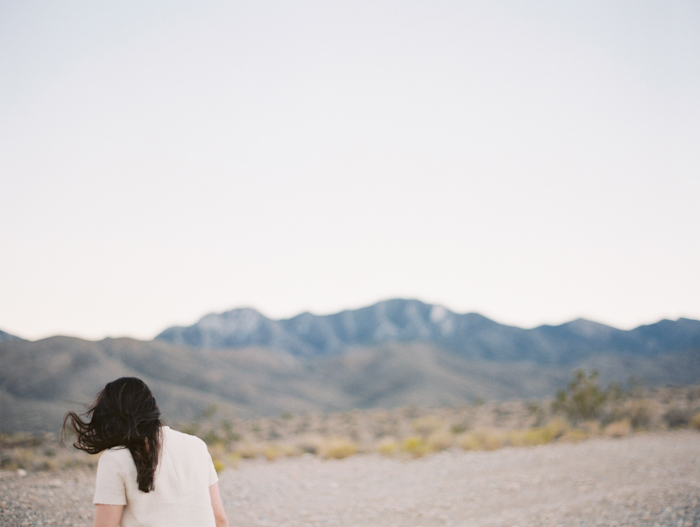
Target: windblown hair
125 414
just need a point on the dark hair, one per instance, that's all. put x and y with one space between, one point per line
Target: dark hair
125 414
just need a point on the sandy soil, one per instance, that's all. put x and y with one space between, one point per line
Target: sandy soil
650 479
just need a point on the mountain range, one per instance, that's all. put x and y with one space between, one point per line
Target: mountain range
468 335
393 353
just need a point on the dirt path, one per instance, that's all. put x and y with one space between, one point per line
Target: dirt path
644 480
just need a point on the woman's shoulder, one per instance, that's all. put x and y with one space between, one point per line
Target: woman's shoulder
180 438
117 456
116 452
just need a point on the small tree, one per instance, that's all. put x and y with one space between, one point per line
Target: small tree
582 399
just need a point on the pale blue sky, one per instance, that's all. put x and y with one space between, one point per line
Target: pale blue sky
531 161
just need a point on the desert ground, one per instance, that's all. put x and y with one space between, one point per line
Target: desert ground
644 479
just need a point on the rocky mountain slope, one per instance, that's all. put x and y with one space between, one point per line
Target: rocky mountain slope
469 335
6 337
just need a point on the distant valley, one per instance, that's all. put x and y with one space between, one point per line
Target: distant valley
393 353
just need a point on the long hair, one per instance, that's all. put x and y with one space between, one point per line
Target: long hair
125 414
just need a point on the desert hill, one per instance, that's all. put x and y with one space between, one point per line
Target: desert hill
395 353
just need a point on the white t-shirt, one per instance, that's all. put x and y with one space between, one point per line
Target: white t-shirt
181 496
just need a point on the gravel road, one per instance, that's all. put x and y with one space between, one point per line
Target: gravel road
650 479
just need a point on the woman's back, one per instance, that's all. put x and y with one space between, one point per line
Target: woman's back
181 487
148 475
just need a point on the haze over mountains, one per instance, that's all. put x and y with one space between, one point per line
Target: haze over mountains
393 353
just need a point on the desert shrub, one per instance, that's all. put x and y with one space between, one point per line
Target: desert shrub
618 428
575 435
459 428
557 428
592 428
228 431
469 441
247 450
218 465
482 439
211 437
695 421
415 446
491 439
36 459
217 451
440 440
536 410
338 448
51 464
516 437
273 434
7 462
233 459
676 418
27 459
427 425
693 394
17 459
209 412
583 399
25 440
538 435
529 436
271 451
291 450
388 447
614 392
641 413
309 444
191 429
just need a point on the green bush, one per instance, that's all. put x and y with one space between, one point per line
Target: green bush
583 399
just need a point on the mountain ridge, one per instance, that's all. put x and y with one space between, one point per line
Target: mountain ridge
408 320
8 337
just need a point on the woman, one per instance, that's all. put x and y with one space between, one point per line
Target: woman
148 475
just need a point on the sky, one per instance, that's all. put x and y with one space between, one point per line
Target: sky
534 162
